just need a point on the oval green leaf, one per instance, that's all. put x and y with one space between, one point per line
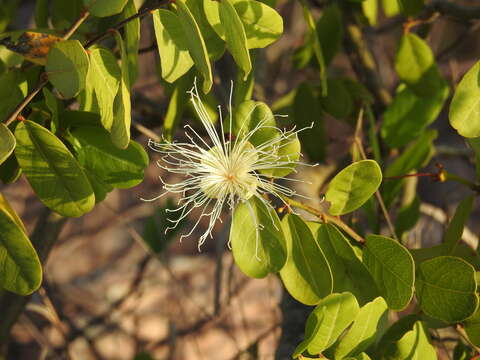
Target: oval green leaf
392 268
446 288
122 117
113 166
196 44
20 267
327 322
465 107
102 8
67 67
258 245
103 79
415 65
7 142
52 171
363 331
353 186
414 344
175 59
235 36
306 274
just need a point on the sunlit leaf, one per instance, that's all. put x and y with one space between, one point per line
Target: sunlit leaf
7 143
102 8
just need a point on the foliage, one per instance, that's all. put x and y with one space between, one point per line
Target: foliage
65 107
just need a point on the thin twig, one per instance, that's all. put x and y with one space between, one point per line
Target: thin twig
76 25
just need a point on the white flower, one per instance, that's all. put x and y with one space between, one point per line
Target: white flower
222 172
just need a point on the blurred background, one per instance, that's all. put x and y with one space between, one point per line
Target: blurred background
117 287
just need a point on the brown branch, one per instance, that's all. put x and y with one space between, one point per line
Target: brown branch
452 9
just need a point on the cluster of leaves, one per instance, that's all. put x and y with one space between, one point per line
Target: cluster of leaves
73 158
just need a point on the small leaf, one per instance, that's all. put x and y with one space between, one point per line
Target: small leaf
52 105
103 80
390 8
415 65
52 171
408 115
407 217
196 44
116 167
387 343
175 58
176 107
414 344
446 288
258 245
12 91
7 142
454 232
465 105
307 112
306 274
120 131
132 39
67 67
472 328
362 333
102 8
370 9
353 186
9 170
262 24
338 102
327 321
20 267
330 32
393 269
235 36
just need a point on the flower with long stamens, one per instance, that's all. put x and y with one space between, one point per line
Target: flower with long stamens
221 173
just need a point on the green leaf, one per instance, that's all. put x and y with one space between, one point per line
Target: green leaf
363 331
120 168
102 8
361 356
446 288
7 142
103 80
176 107
306 274
235 36
387 343
289 150
262 24
307 112
454 232
465 105
13 88
414 344
391 8
415 65
258 243
330 32
472 328
475 145
338 102
327 321
20 267
215 45
120 131
67 67
411 7
317 49
393 269
9 170
348 272
370 9
172 43
196 44
52 171
41 13
52 105
408 115
415 156
64 13
249 115
353 186
132 39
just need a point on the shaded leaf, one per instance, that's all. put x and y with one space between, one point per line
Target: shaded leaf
306 274
353 186
20 267
7 142
102 8
52 171
393 269
330 32
258 245
132 40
